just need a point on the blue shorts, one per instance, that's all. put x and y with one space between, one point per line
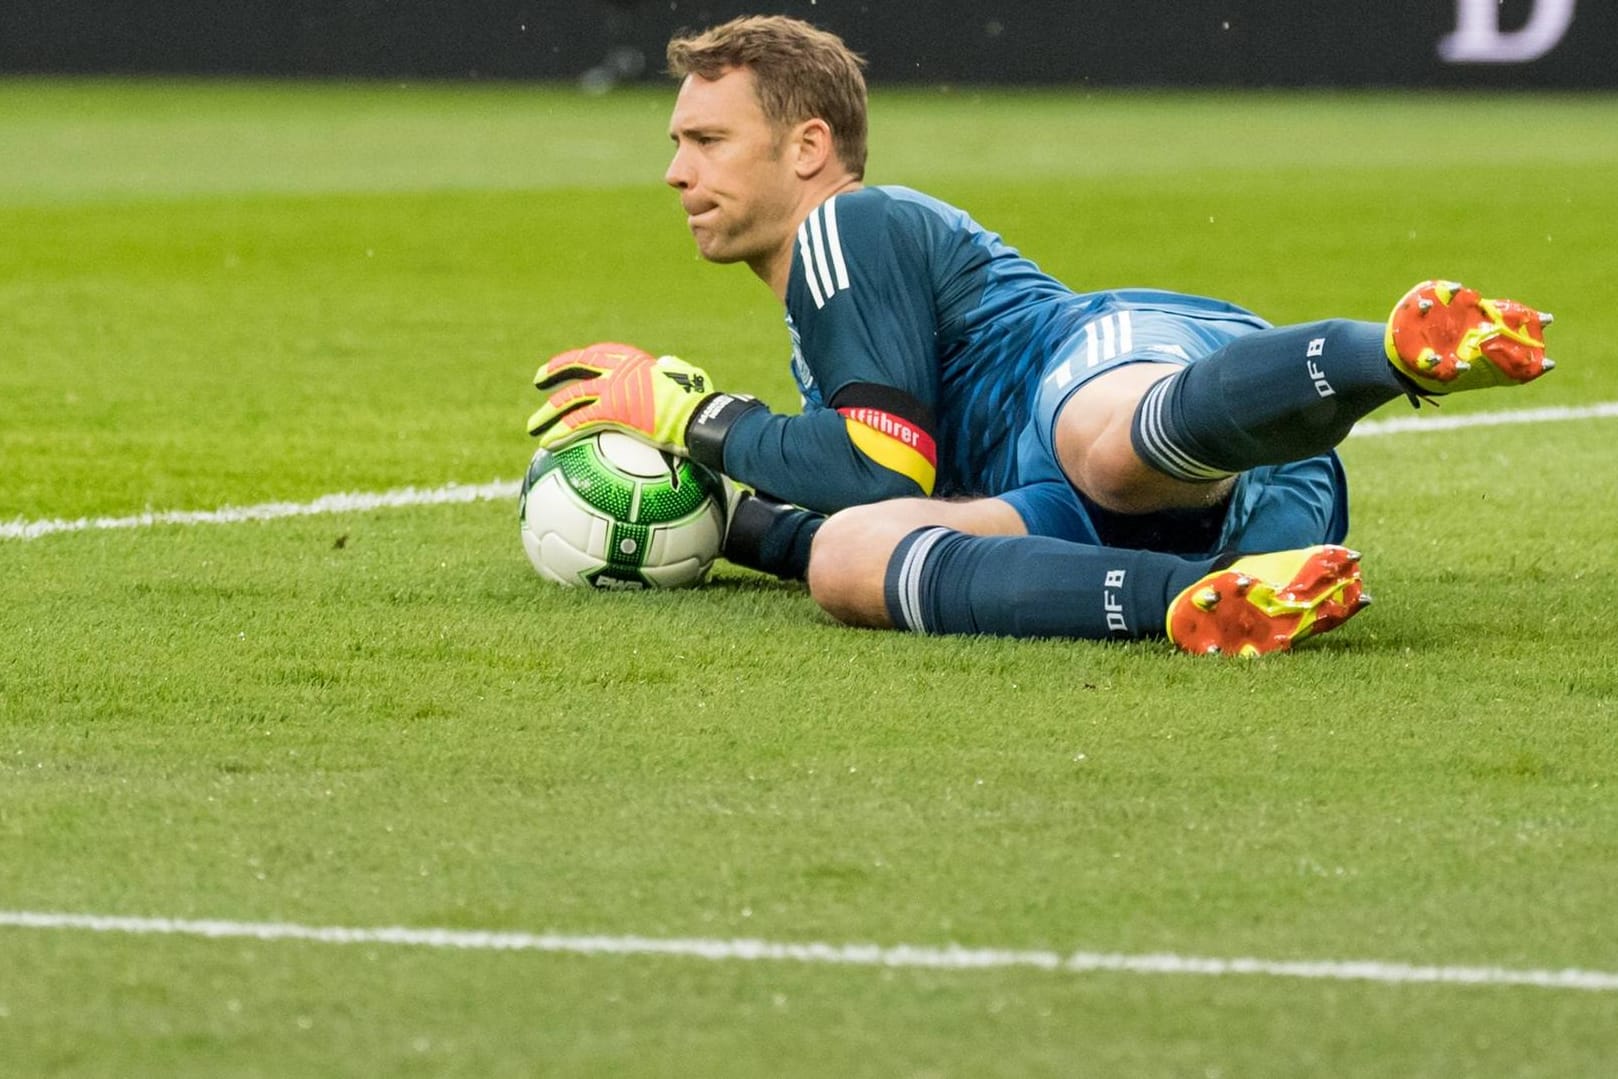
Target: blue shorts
1271 508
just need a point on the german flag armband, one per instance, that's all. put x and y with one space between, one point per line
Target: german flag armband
892 429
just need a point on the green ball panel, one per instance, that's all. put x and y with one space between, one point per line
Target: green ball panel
674 499
627 546
596 481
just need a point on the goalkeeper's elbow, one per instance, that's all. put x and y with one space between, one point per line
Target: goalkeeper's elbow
883 483
870 485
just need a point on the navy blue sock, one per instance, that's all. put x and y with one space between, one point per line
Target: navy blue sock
943 581
773 536
1266 398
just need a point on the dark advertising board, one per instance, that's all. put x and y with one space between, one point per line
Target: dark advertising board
1481 43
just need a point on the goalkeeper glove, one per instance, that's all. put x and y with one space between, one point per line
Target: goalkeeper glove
663 400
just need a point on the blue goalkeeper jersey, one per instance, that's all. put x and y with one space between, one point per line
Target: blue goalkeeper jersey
919 339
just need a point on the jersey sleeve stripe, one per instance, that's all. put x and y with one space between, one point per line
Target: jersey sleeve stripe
808 265
825 270
821 268
834 241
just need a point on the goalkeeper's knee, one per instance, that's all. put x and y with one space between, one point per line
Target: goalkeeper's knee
849 561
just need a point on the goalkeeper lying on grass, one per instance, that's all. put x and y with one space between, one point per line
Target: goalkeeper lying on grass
997 453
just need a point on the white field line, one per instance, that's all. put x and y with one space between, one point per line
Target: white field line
857 955
1415 424
357 501
349 502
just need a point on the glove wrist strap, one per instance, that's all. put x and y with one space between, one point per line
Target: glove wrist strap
716 414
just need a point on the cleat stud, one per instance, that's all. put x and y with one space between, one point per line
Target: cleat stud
1362 601
1424 305
1206 600
1547 364
1546 318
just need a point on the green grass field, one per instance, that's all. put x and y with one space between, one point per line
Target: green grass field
225 295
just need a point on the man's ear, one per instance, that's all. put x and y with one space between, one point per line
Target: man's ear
812 148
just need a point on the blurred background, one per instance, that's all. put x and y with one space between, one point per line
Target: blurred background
605 43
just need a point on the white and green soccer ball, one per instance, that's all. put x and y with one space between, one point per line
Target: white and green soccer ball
609 511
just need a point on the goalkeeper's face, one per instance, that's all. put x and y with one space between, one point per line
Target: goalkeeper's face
736 173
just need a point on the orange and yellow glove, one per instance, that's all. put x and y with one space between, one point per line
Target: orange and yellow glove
612 386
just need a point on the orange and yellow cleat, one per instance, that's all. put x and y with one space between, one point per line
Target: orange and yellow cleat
1267 602
1445 337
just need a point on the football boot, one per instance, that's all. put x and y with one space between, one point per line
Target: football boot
1267 602
1444 337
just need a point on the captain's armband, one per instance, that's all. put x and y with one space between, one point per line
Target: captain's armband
892 429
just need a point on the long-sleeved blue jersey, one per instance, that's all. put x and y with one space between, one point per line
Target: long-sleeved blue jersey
919 340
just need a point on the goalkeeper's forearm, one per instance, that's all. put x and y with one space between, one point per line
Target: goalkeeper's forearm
766 534
807 459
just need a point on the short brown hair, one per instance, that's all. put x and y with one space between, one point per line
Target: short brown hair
801 73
